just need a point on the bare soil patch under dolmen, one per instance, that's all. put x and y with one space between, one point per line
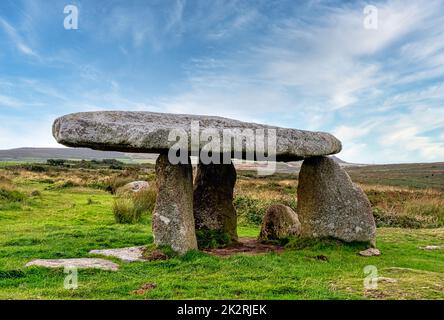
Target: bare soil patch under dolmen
246 246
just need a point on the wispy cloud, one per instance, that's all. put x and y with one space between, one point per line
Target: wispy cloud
6 101
14 36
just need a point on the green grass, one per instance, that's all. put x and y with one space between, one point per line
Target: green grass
67 223
5 164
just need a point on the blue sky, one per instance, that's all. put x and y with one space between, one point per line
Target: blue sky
301 64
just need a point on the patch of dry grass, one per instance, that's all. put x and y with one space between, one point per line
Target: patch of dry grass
128 207
253 196
404 207
105 179
392 206
9 193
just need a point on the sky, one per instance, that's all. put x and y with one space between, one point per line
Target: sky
312 65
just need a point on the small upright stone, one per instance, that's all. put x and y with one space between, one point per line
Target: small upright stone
213 200
279 222
173 222
331 205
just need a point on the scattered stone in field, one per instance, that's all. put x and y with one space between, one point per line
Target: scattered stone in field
386 280
81 263
433 247
246 246
371 252
403 270
279 222
214 212
130 254
330 205
173 219
134 186
148 132
145 288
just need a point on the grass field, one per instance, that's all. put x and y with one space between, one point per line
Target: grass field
65 212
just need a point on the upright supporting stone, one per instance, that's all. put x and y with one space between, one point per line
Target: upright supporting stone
213 201
331 205
173 222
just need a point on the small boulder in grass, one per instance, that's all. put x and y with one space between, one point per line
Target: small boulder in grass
370 252
279 222
134 186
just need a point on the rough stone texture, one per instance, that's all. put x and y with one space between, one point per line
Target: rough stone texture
213 199
134 186
130 254
81 263
370 252
173 221
147 132
279 222
331 205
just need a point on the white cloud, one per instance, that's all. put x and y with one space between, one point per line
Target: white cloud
349 133
141 24
410 133
17 39
354 153
335 59
18 132
6 101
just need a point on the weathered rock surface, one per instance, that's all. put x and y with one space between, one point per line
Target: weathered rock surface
279 222
129 254
147 132
213 199
81 263
370 252
331 205
173 220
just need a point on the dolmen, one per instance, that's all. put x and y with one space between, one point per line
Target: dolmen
329 204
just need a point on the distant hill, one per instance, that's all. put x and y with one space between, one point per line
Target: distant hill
59 153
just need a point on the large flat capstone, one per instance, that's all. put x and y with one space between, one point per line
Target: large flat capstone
148 132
